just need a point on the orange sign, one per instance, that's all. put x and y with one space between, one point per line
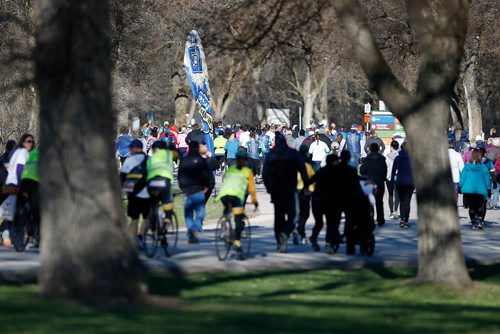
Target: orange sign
367 118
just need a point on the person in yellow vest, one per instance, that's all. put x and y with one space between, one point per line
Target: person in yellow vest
238 181
28 195
220 151
304 198
160 175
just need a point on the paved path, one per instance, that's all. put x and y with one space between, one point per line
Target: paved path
395 247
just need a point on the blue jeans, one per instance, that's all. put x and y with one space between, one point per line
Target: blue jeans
195 204
354 162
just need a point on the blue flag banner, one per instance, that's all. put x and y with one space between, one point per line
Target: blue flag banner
197 74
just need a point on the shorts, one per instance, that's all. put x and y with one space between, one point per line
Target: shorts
160 193
138 207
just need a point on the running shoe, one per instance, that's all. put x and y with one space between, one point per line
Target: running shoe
283 243
314 244
329 248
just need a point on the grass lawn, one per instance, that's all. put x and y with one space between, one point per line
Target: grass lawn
327 301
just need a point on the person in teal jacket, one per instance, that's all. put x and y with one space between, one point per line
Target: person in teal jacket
475 184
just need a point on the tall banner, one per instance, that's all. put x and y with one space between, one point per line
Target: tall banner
197 74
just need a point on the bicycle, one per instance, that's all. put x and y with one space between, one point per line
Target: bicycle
159 233
224 237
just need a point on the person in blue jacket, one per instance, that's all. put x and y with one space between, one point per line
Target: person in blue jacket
353 145
475 184
402 178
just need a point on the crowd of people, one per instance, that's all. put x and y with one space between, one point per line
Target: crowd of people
315 169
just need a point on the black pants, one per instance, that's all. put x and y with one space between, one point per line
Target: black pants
332 214
405 193
393 197
284 213
235 204
379 203
304 212
254 165
477 207
220 159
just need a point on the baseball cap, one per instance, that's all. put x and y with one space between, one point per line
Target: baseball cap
354 126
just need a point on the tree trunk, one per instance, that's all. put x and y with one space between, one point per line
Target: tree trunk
86 251
424 115
473 107
440 248
309 98
181 98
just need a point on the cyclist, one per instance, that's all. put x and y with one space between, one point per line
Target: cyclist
133 177
238 181
220 151
160 169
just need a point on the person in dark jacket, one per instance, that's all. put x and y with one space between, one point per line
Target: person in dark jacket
375 168
403 179
196 135
374 139
324 205
194 181
280 178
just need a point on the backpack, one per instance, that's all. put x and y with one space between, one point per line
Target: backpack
135 181
492 154
150 144
123 145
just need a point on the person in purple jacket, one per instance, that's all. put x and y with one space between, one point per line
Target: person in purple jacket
403 179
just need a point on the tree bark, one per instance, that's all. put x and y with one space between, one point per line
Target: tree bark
441 259
86 251
181 100
424 115
473 107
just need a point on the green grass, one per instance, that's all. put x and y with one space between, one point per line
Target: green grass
327 301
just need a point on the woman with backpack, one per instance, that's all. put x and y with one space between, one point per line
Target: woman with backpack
475 184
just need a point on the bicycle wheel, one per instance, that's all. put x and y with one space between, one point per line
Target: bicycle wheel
246 238
150 235
223 241
171 235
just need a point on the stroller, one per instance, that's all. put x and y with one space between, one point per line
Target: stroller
359 231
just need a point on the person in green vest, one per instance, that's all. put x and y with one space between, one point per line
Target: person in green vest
238 182
220 151
160 175
28 193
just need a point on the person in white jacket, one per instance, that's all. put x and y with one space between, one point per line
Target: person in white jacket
319 150
457 164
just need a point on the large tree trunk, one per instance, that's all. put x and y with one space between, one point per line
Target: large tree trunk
440 30
439 243
473 107
86 250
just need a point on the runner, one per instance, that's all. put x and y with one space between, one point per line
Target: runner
280 178
194 181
